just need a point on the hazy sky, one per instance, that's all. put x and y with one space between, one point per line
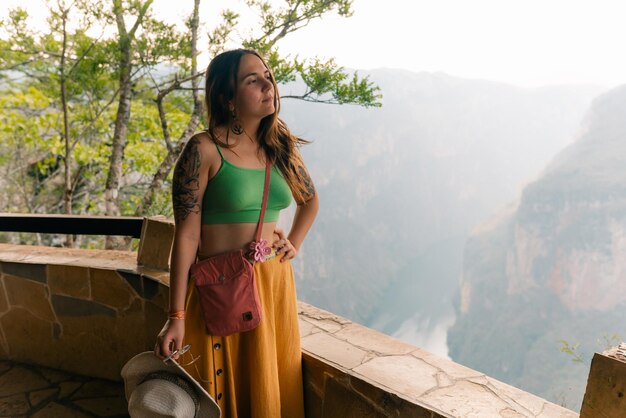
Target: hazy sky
528 43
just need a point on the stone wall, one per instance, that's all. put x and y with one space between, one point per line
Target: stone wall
83 311
88 311
606 387
351 371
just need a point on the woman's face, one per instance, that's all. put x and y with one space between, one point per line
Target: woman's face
255 91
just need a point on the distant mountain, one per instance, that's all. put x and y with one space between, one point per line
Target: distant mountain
552 268
402 186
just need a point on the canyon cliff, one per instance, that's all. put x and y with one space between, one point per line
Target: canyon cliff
552 267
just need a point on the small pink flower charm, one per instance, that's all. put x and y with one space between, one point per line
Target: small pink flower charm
260 250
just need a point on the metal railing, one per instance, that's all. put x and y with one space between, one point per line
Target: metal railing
71 224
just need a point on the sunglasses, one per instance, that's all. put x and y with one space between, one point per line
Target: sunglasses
182 351
177 352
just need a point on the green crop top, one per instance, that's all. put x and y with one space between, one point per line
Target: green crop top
234 195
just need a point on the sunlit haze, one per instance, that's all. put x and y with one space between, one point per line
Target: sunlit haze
527 43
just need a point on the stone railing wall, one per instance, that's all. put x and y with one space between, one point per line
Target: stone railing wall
88 311
352 371
84 311
606 387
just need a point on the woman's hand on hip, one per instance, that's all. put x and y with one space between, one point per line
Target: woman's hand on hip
170 338
284 246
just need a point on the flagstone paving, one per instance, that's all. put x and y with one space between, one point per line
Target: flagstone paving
28 391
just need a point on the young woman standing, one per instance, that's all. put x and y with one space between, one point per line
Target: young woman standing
217 193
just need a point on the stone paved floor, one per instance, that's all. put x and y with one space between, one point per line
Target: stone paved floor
28 391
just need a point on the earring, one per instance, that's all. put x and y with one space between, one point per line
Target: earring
236 125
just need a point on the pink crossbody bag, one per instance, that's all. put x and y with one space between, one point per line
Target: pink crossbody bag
226 286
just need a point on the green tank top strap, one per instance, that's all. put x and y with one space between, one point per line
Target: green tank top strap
219 150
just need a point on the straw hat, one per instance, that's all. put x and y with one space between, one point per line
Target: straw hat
155 389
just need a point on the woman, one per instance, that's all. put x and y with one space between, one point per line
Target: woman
217 193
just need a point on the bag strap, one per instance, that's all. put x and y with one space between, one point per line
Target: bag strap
266 190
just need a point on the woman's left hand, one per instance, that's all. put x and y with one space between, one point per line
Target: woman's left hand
284 246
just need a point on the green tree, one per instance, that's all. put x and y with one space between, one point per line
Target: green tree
117 114
66 71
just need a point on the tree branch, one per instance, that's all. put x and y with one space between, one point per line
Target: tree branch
14 66
142 12
32 52
290 24
79 59
174 151
164 127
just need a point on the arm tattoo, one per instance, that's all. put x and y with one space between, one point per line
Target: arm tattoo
186 181
309 188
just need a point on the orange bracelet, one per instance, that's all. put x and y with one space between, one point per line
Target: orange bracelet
177 315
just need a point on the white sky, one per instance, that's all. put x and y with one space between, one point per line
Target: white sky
523 42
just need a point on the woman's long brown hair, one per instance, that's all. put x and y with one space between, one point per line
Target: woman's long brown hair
279 144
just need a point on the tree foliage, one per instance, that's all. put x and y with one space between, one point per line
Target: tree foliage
97 105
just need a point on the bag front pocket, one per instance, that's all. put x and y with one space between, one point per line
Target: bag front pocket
227 294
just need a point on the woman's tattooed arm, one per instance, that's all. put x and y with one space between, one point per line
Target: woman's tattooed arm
187 181
309 189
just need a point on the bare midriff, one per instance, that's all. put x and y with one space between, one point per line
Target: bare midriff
220 238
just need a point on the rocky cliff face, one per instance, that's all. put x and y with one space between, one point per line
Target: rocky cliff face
402 186
552 268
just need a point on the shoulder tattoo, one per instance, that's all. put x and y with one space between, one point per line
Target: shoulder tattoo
186 182
309 189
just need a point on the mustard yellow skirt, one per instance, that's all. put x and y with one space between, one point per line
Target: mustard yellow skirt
255 374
